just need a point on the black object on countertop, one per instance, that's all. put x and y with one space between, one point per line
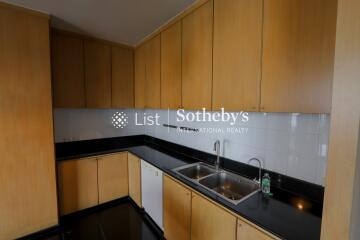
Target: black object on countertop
293 212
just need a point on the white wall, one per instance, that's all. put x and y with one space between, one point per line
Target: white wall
292 144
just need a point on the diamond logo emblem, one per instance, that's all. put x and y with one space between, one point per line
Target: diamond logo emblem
119 120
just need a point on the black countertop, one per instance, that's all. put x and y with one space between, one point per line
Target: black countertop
277 215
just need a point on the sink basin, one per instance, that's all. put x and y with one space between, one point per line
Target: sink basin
196 171
230 186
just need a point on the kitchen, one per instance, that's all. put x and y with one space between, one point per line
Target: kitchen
186 119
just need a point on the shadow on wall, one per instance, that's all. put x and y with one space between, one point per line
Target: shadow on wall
59 23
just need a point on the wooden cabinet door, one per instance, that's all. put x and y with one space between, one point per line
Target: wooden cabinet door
122 77
209 221
140 76
67 71
28 201
97 74
171 67
134 165
147 74
197 46
177 210
78 184
113 177
237 54
298 55
152 82
247 232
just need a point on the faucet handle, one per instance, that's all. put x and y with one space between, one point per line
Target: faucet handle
217 142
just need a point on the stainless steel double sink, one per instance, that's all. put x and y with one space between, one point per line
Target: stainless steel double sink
229 186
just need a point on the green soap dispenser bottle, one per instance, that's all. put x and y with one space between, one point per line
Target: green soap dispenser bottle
265 184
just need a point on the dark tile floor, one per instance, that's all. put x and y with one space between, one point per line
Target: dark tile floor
122 221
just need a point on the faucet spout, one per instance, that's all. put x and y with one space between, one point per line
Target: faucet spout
260 167
217 150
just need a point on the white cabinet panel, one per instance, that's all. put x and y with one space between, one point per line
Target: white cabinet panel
152 192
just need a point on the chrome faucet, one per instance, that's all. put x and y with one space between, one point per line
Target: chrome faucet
217 150
260 167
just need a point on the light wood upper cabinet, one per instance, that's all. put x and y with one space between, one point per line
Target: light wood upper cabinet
237 54
209 221
67 71
298 55
122 77
105 79
134 168
152 83
171 67
197 34
140 76
147 74
247 232
177 210
113 177
97 74
28 201
78 184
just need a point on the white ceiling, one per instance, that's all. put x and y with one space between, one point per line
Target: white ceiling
122 21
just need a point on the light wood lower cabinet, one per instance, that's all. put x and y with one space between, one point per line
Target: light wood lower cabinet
113 177
134 166
209 221
177 210
87 182
189 215
78 187
247 232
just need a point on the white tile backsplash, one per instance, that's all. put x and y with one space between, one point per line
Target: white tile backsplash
289 143
83 124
